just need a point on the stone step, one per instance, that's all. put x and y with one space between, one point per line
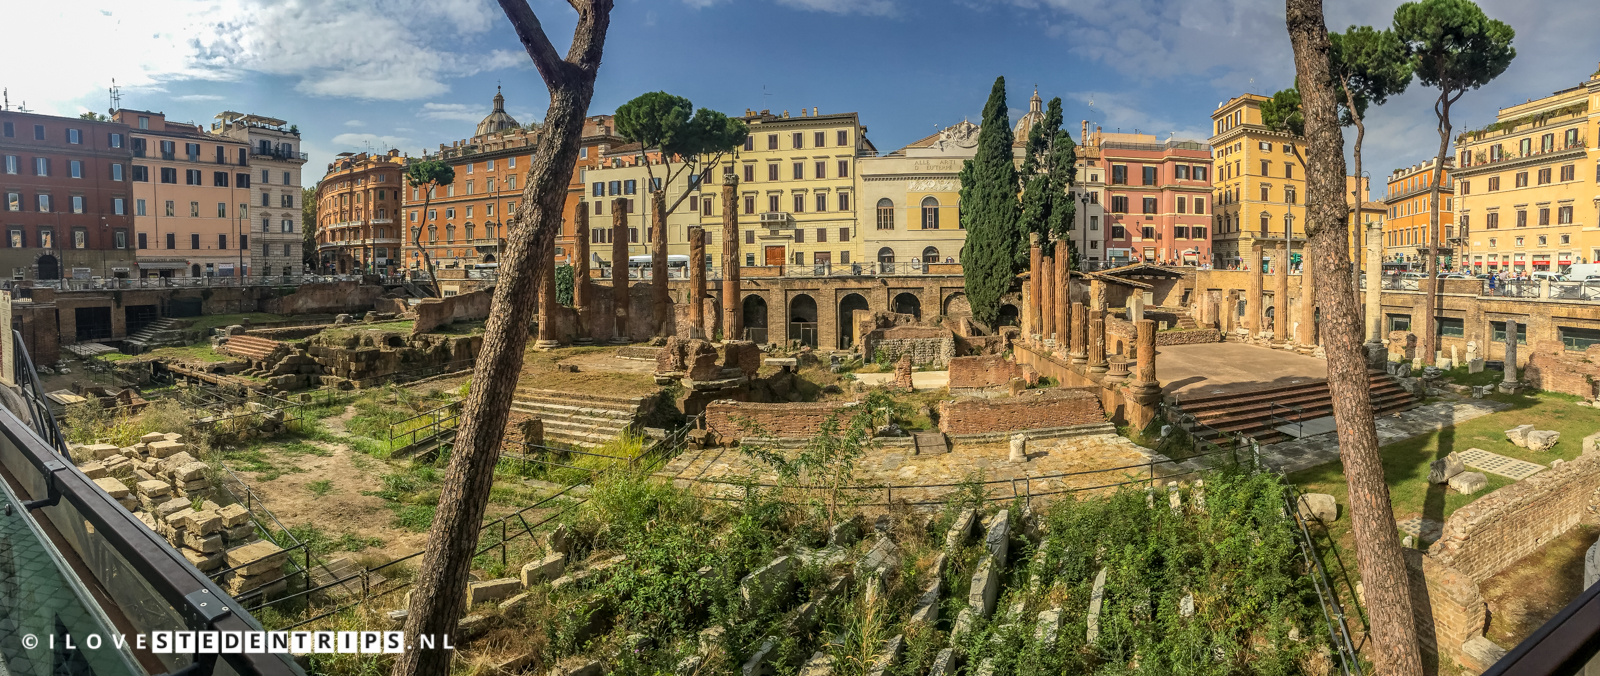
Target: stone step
250 347
580 426
1278 406
595 400
546 409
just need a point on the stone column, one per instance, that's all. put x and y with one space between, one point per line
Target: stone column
580 271
1280 294
1144 392
1046 305
1097 344
1374 285
619 269
1508 383
1228 314
697 282
660 300
1308 305
732 308
547 299
1080 334
1146 345
1035 287
1063 295
1253 308
1097 296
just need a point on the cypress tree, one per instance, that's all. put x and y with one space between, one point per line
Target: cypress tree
1063 162
989 211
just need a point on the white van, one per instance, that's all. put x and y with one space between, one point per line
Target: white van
1583 271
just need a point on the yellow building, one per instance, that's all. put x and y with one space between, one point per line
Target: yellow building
619 174
797 190
908 206
1406 204
1525 200
1259 183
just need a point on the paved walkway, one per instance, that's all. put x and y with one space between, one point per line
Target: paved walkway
1218 368
1293 456
921 381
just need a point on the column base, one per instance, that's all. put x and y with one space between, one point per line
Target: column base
546 345
584 341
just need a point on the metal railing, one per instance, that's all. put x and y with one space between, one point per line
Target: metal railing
44 422
1575 291
1512 289
1332 610
424 427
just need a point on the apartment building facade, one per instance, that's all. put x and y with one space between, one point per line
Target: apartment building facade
1089 232
358 214
797 189
191 192
275 162
1258 184
909 204
68 198
618 173
1527 197
1407 205
1158 199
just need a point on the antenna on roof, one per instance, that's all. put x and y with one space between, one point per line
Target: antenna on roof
6 93
116 95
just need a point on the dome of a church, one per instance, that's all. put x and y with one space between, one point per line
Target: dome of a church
499 120
1035 116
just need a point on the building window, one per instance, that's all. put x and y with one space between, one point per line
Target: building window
191 177
1149 205
1288 194
1522 218
1119 174
1199 205
799 236
749 204
885 212
118 206
822 234
41 166
1569 172
799 203
772 172
1119 204
930 213
749 173
1564 215
822 201
13 201
1492 221
705 206
1403 323
144 242
799 140
1494 183
44 203
1544 176
772 141
749 237
799 170
1544 219
194 210
1450 328
844 201
772 202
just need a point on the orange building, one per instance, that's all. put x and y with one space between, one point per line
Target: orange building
358 204
1405 231
465 221
192 195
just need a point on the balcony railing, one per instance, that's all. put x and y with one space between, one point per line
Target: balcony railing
69 537
276 154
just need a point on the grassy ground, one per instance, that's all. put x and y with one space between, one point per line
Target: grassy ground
200 352
1525 596
214 321
539 371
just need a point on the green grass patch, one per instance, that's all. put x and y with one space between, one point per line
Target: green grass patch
322 544
200 352
320 488
215 321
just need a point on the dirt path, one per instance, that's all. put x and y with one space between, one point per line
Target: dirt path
342 509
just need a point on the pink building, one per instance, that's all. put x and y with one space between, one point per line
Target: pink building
1157 199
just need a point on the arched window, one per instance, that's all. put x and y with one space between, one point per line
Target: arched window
930 213
885 214
930 255
886 255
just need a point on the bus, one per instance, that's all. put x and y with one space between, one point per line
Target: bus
639 266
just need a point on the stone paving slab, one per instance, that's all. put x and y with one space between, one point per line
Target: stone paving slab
1425 530
925 478
1310 451
1494 463
1310 428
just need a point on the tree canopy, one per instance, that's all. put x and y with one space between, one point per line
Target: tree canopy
989 211
661 123
1453 45
1282 112
1048 173
429 173
1367 66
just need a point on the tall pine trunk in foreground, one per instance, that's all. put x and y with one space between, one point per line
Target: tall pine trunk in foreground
1383 570
438 596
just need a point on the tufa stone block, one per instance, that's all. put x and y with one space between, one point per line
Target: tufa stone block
1467 483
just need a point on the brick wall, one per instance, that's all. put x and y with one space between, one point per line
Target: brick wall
928 346
1445 604
1554 369
981 372
730 420
1498 529
435 312
1032 409
1187 337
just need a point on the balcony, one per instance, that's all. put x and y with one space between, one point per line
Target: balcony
275 154
776 219
382 221
81 559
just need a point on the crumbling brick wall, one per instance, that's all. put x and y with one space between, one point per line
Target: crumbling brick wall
435 312
325 298
974 373
1553 368
730 420
1446 605
1032 409
928 346
1500 528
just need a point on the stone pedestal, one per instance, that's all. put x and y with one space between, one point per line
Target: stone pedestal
580 271
1118 370
619 269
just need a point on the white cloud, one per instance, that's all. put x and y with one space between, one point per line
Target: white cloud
379 143
354 123
198 97
460 112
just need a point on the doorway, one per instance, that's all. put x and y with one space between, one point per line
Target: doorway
774 256
847 325
49 267
755 319
803 320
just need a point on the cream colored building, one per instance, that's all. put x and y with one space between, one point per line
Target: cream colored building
1526 193
908 208
797 191
620 175
192 197
276 239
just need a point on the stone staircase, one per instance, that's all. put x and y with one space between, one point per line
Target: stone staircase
579 419
159 333
1258 414
250 347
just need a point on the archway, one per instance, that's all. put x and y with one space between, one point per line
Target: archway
49 267
1008 315
194 270
755 318
930 255
908 304
847 324
957 304
885 260
803 320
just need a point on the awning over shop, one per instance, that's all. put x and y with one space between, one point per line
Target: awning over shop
163 265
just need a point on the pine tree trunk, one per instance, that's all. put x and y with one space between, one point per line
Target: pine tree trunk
438 596
1430 337
1383 570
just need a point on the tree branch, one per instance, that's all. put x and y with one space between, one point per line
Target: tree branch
531 33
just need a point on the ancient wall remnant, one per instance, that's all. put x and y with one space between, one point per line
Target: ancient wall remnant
325 298
1030 409
976 373
432 313
731 420
1500 528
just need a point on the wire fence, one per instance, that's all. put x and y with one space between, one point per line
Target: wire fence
1332 609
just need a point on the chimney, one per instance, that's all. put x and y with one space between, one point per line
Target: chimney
813 111
1083 136
785 114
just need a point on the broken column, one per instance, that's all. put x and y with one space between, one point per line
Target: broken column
1307 335
1374 299
1097 345
1253 309
580 271
697 283
1144 393
1080 334
619 268
1063 295
660 300
1035 289
1280 294
1047 300
1508 383
547 298
732 305
1146 371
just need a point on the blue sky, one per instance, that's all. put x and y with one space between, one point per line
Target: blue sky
415 73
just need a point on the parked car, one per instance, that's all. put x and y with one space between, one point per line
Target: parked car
1581 271
1413 275
1545 274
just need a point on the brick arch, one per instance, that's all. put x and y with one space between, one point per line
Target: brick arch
848 304
955 303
